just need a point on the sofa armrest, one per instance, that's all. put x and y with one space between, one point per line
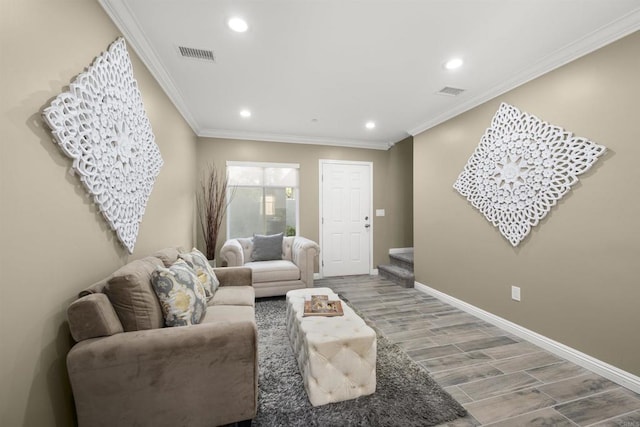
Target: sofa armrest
232 253
198 375
234 276
92 316
303 254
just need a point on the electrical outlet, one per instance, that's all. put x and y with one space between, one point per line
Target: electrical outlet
515 293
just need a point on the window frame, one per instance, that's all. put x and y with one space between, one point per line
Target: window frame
264 165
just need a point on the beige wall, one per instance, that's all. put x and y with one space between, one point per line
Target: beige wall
388 231
399 190
579 268
54 243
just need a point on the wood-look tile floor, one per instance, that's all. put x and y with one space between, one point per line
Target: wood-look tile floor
499 378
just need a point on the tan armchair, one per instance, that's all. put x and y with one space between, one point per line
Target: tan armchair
275 277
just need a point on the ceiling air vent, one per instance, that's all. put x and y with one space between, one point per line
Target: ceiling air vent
450 91
189 52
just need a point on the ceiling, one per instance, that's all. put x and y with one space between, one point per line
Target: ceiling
315 71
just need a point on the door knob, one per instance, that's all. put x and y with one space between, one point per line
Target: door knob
367 225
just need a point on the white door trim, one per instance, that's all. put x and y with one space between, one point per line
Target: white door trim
321 164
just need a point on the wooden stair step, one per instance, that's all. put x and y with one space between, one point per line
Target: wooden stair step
397 274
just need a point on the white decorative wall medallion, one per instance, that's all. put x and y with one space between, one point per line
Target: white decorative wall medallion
521 168
101 124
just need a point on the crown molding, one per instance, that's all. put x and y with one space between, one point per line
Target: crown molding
595 40
121 15
295 139
123 18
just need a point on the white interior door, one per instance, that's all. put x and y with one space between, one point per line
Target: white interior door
345 218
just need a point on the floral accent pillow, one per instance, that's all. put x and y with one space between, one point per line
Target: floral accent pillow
182 297
198 261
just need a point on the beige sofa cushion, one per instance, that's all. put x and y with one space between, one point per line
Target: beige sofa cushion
92 316
273 271
234 276
234 295
132 296
168 255
230 314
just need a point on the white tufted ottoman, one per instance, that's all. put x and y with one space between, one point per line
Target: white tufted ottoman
336 355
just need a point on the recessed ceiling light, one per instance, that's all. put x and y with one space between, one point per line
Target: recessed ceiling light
454 63
238 25
370 125
245 113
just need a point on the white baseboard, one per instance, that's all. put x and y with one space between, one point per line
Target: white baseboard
374 272
317 276
400 250
624 378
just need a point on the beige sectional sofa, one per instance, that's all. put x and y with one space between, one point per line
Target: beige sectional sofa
128 369
293 270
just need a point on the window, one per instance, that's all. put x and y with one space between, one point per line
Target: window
264 199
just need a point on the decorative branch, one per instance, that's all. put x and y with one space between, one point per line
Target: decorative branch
212 206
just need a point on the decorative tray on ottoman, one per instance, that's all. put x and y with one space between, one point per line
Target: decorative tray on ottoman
320 305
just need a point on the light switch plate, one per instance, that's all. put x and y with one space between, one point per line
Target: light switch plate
379 212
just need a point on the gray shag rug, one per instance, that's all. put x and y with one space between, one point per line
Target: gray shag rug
405 394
